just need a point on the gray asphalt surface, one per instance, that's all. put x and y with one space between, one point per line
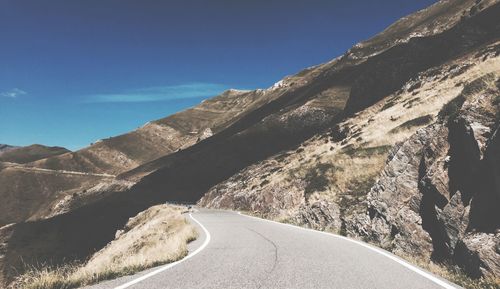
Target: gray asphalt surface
246 252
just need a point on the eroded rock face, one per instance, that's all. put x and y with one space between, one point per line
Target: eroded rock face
242 193
5 235
492 161
479 254
454 218
437 196
319 215
394 204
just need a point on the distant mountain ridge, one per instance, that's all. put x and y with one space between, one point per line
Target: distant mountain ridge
22 155
4 147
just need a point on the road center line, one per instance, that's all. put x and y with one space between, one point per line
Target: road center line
375 249
170 265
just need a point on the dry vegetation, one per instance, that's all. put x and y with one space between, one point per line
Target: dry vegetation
156 236
454 274
333 174
342 169
343 172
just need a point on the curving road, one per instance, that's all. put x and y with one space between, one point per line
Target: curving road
238 251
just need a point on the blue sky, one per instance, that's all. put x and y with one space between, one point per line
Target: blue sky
72 72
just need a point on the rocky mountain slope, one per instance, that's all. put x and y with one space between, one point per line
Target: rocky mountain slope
24 191
42 179
394 142
158 138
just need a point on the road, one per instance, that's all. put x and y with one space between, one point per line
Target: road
35 169
238 251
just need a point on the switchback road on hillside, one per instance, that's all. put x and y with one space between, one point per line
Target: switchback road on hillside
238 251
42 170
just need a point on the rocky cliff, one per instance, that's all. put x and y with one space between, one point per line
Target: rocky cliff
437 195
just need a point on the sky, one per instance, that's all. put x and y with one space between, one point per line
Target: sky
75 71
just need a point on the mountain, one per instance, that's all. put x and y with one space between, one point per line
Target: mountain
158 138
4 148
22 155
395 142
39 188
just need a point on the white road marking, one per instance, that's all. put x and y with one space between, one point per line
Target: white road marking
372 248
380 251
168 266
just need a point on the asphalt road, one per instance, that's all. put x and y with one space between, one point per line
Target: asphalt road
238 251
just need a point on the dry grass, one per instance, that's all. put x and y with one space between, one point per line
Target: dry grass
354 172
412 123
454 274
399 109
331 171
156 236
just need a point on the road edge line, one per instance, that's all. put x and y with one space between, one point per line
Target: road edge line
170 265
409 266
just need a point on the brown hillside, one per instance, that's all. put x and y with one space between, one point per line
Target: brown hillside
30 153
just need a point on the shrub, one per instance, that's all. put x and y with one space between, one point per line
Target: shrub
387 105
316 178
350 150
419 121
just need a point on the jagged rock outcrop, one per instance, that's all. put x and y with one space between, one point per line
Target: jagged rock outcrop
393 218
206 134
320 215
479 254
438 190
243 192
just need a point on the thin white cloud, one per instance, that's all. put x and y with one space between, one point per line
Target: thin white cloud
13 93
160 93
